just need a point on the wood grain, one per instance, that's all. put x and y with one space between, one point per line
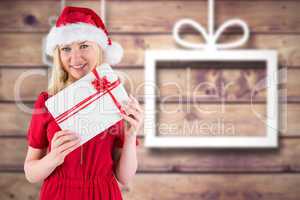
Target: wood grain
189 119
15 186
33 17
215 187
283 159
199 84
204 174
29 82
211 120
188 186
29 45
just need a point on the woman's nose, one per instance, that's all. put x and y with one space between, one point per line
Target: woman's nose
75 57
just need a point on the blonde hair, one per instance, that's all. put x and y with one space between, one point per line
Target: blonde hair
59 76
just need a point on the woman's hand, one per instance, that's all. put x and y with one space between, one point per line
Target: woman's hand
134 117
63 143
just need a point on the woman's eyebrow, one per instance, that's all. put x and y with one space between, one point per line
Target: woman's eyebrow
83 42
63 46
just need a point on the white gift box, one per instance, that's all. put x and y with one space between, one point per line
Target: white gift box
90 105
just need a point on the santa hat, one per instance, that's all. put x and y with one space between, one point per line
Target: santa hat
80 24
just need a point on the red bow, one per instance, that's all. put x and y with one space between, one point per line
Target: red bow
101 84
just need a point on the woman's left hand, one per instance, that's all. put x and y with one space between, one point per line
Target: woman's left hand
134 117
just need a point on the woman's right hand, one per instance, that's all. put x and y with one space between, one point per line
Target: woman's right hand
63 143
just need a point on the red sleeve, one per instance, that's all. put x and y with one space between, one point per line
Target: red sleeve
120 132
37 130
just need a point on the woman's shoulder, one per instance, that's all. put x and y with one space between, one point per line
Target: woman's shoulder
41 99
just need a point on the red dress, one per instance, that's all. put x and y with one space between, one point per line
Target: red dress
88 171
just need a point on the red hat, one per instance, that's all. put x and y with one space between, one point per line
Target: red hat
79 24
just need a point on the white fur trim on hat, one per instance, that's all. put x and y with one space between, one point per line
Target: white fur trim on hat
80 32
114 53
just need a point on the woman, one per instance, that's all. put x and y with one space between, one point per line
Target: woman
90 171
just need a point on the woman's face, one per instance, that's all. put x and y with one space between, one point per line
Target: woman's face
78 58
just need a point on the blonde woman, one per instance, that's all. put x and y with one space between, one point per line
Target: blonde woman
54 156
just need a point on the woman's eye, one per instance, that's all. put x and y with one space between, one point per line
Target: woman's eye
84 46
66 49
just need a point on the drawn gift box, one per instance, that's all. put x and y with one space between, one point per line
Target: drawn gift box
90 105
210 51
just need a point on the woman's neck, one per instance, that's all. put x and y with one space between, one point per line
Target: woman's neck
70 80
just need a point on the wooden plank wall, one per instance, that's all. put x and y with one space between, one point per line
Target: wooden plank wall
140 25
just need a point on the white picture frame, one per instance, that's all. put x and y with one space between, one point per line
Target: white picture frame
270 140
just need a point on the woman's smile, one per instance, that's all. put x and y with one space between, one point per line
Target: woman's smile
81 66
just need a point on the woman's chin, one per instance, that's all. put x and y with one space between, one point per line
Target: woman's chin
77 74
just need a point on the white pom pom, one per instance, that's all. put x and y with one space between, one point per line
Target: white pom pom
113 53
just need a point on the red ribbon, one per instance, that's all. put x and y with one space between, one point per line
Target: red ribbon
103 86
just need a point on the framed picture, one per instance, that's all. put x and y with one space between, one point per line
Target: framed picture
241 84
